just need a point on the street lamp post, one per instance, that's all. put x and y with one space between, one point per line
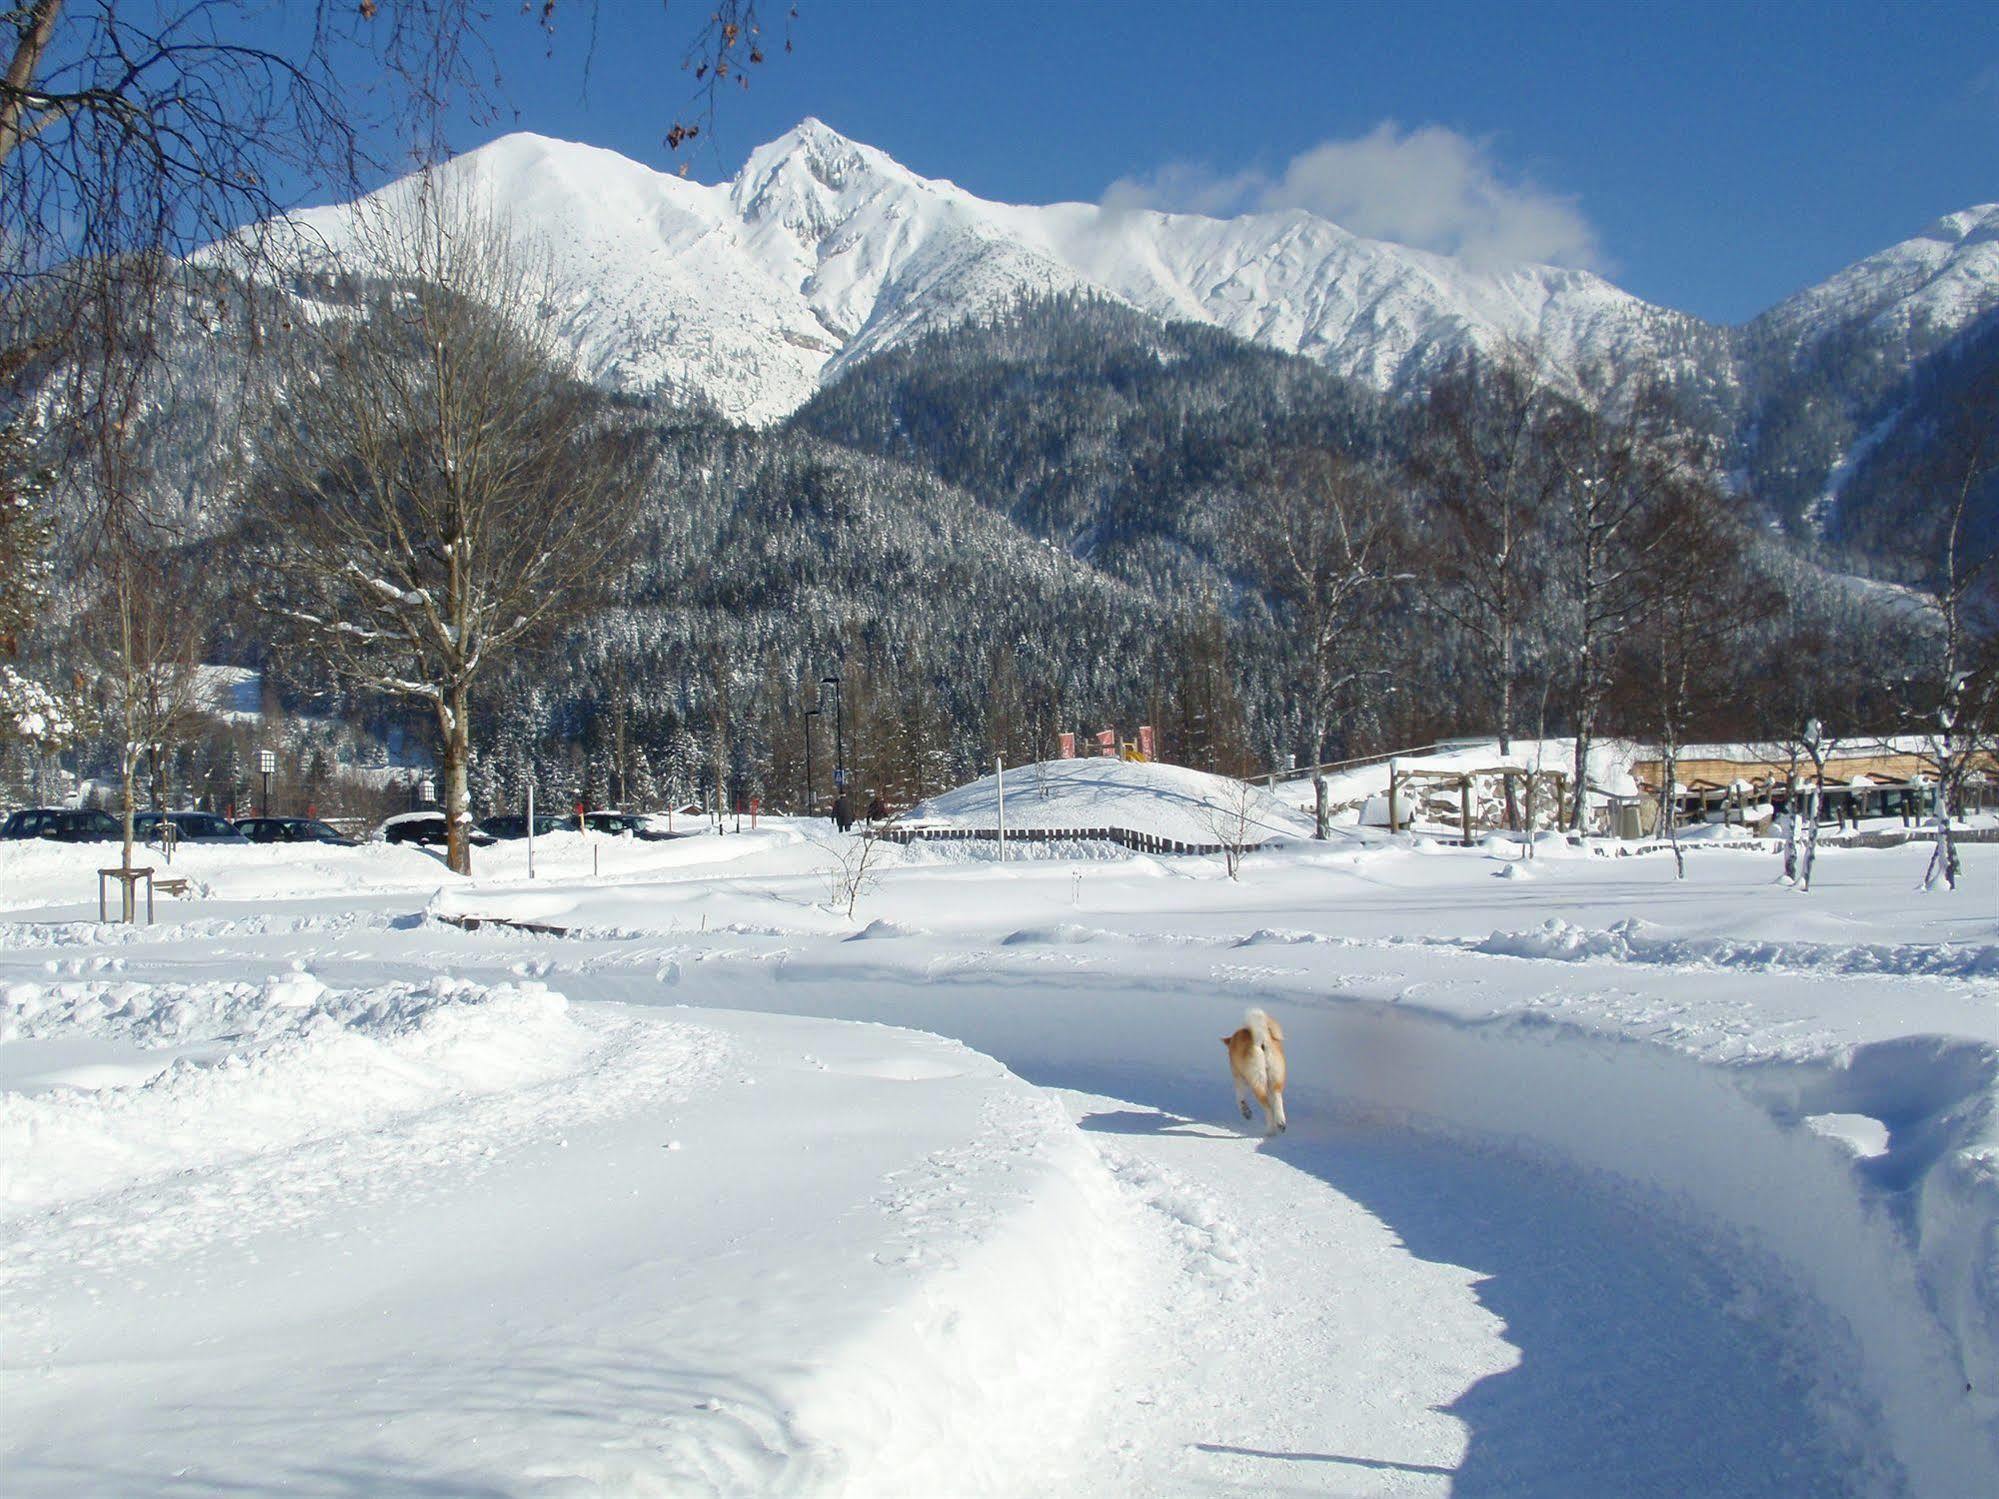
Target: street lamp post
810 714
267 761
839 737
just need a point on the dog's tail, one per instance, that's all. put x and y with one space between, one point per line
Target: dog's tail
1261 1028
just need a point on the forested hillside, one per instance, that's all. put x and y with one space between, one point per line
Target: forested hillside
1039 523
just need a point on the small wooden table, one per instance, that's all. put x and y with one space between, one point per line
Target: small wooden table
129 878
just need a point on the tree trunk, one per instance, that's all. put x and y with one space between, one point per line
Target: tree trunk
1579 814
1669 804
457 741
33 33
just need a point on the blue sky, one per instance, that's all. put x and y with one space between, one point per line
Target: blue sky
1710 157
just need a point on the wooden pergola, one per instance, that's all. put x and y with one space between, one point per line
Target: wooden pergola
1530 783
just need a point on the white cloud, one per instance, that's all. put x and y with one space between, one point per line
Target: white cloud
1429 187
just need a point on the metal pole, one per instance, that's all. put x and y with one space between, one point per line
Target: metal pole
999 770
810 714
839 738
267 793
530 827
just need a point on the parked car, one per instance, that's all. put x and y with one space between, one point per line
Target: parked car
62 825
515 825
620 823
426 829
293 830
188 827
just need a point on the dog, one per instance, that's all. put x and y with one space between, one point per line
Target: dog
1256 1061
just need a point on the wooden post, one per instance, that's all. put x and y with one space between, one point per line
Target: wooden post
1464 807
1394 774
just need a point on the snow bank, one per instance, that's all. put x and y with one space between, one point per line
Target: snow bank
1167 801
753 1254
256 1068
986 1373
1636 941
1911 1276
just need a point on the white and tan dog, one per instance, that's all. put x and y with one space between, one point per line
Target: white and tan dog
1256 1060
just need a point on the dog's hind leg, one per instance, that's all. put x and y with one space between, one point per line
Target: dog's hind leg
1241 1099
1275 1109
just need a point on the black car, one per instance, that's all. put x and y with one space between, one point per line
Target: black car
513 825
619 823
427 830
293 830
188 827
62 825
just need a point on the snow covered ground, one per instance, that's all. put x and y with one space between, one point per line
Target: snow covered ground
1597 1183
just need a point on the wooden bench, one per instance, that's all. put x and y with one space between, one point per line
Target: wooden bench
174 886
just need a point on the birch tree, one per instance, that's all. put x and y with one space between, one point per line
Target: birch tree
439 488
1480 469
1958 710
1701 599
145 634
1615 456
1325 536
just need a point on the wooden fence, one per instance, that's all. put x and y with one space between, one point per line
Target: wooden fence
1895 837
1142 843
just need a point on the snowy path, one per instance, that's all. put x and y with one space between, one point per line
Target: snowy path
488 1298
1508 1334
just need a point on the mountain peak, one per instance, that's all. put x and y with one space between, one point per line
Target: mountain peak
1980 221
813 149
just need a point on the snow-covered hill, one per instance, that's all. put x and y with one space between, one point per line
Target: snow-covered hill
822 250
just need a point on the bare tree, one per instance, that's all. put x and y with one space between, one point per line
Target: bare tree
1325 536
1817 747
1616 454
133 132
144 635
133 128
1700 598
1957 706
1231 817
1480 467
854 867
439 487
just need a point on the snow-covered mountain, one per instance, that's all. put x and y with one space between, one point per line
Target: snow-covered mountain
1909 298
821 251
